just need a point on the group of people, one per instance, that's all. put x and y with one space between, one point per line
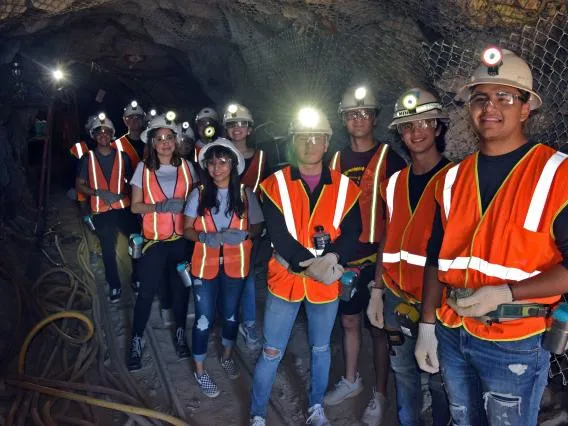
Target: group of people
455 268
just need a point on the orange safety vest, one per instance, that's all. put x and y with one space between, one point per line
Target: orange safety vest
162 226
253 174
124 145
509 242
78 150
334 202
407 234
235 259
371 208
97 180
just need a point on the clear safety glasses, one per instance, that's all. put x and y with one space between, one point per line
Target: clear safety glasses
221 162
359 114
232 124
417 124
310 139
165 138
134 117
102 131
499 100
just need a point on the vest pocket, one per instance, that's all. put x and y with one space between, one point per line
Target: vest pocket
526 250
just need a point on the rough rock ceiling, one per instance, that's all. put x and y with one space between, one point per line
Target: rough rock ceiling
275 54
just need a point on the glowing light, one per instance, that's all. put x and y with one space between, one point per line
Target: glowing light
233 109
102 116
153 112
185 125
309 117
170 116
492 56
134 104
57 74
360 93
209 131
410 101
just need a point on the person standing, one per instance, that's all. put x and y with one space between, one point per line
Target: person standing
134 119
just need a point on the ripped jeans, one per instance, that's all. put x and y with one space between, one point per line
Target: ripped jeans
492 383
205 298
279 318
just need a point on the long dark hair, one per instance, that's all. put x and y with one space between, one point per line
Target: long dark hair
151 160
208 199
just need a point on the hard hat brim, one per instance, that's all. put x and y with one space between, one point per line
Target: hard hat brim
535 101
227 144
428 115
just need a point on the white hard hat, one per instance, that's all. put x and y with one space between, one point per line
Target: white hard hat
417 104
100 120
511 71
162 121
186 130
358 97
237 112
207 112
227 144
310 120
133 108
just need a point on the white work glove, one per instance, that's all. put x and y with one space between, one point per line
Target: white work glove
426 349
484 300
324 269
375 307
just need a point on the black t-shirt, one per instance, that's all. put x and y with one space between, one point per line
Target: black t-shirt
417 183
491 172
138 146
106 162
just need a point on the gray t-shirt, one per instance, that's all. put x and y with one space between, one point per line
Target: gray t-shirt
221 220
166 175
106 162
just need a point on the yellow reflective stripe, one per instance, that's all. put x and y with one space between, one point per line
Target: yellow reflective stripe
259 173
486 268
286 204
154 214
120 177
375 193
94 173
79 149
118 145
195 155
410 258
334 160
341 198
448 184
202 268
390 193
185 176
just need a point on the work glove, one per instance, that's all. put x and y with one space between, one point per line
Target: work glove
426 349
324 268
233 236
211 239
171 205
107 196
375 307
484 300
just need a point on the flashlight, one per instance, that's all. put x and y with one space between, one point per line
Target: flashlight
209 131
170 116
360 93
232 109
309 117
57 74
102 116
410 101
185 125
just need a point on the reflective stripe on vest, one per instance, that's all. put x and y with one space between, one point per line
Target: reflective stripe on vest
376 194
204 257
95 180
489 269
259 171
154 215
120 178
413 259
118 144
390 193
448 184
79 149
334 161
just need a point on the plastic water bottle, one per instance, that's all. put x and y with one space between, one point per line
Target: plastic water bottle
348 282
183 271
89 222
135 242
556 339
320 239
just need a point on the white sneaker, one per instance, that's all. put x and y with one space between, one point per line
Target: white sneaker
373 414
257 421
317 416
343 389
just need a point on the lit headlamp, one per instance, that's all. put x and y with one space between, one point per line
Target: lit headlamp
153 112
185 125
492 58
232 109
209 131
410 101
309 117
102 116
360 94
134 104
170 116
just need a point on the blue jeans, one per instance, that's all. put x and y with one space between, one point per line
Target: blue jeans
407 374
205 297
492 383
279 318
248 300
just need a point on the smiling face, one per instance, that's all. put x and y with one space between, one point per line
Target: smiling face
419 136
238 131
164 141
497 113
359 122
219 168
103 136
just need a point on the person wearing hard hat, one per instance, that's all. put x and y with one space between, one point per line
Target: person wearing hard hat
497 256
313 220
222 216
77 151
206 122
366 162
160 187
103 178
187 141
134 119
410 205
238 123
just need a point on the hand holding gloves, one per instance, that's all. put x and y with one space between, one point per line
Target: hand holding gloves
171 205
107 196
483 301
324 268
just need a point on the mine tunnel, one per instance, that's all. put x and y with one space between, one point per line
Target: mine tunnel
63 62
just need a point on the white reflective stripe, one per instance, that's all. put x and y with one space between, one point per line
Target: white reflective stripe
194 155
154 214
286 204
185 170
486 268
390 193
202 268
541 191
375 193
118 145
410 258
448 184
120 178
259 172
341 199
334 160
79 149
94 173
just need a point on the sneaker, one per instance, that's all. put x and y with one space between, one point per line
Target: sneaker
230 367
134 358
257 421
343 389
252 341
373 414
317 416
167 317
207 385
135 286
114 295
182 350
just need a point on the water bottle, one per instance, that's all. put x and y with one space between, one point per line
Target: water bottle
556 339
135 242
183 271
89 222
348 282
320 239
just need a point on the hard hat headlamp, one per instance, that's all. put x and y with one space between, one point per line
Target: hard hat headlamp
309 117
153 112
410 101
102 116
232 109
185 125
492 58
170 116
134 104
209 131
360 94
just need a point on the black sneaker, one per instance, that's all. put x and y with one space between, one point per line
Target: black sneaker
134 358
182 350
114 295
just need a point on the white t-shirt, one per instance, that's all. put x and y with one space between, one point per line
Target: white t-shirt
166 175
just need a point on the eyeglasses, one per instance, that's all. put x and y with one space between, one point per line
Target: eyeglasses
232 124
102 131
359 114
165 138
499 100
133 117
213 162
416 124
310 139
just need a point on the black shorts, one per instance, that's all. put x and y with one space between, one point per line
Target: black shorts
360 300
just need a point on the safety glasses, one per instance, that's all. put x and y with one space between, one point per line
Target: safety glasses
310 139
359 114
499 100
165 138
102 131
134 117
214 162
416 124
233 124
